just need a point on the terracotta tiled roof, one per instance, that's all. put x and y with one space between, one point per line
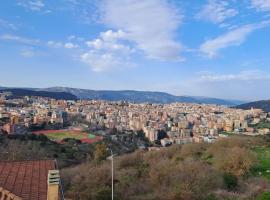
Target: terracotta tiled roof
26 179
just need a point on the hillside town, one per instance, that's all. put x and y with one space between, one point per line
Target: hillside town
164 124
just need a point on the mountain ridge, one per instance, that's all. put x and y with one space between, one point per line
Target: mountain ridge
19 92
134 96
263 104
141 96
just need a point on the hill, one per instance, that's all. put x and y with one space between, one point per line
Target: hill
229 169
264 105
120 95
140 96
16 92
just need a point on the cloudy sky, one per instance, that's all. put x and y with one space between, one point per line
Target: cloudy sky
212 48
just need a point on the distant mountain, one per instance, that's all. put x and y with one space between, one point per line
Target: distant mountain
264 105
18 92
121 95
139 96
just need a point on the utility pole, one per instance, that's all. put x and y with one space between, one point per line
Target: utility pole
112 169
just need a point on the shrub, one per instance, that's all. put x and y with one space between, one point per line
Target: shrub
264 196
211 197
236 160
230 180
192 150
105 194
130 160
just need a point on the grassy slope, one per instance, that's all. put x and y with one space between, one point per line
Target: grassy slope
263 156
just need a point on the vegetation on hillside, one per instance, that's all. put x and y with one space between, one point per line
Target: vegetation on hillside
264 105
227 169
70 152
19 92
31 147
262 124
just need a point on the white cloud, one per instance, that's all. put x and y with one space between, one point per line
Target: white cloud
110 41
261 5
111 35
75 38
150 24
70 45
7 24
109 46
137 29
216 11
27 53
100 62
108 52
34 5
67 45
19 39
249 75
96 44
54 44
234 37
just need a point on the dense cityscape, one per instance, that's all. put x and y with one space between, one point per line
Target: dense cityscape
176 123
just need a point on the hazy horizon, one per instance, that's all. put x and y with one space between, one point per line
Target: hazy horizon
22 87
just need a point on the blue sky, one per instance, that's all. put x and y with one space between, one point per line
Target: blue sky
212 48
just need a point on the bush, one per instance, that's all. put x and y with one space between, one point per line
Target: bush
130 160
236 160
230 180
264 196
106 194
192 150
211 197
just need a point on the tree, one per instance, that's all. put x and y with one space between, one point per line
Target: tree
161 134
236 160
100 152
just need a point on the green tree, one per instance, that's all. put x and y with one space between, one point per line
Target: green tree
100 152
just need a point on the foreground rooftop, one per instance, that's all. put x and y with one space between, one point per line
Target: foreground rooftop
25 180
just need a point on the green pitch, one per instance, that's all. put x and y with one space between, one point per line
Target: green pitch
58 136
91 136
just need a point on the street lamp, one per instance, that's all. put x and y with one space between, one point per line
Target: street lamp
112 168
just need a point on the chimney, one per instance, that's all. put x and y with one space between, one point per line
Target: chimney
53 185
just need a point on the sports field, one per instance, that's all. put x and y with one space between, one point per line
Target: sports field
59 135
